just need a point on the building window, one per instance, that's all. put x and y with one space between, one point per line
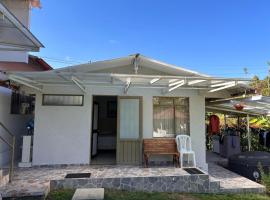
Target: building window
22 104
171 116
62 100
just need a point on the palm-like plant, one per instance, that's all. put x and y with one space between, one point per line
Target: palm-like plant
260 122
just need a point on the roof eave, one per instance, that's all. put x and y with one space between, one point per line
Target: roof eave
25 31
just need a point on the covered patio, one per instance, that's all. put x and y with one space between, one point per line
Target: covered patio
245 106
241 107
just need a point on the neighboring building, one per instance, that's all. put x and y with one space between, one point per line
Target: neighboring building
16 41
99 113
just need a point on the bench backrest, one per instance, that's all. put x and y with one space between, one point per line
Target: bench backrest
160 145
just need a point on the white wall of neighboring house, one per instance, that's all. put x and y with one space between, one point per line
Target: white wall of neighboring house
13 56
21 10
62 133
15 123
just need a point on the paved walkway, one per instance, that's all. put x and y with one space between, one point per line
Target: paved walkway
35 180
232 182
229 181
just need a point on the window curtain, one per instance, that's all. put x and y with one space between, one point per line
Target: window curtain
164 118
171 114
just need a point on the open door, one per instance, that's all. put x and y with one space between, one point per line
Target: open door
95 129
129 130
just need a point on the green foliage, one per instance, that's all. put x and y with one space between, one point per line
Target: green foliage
231 197
125 195
261 86
265 177
64 194
260 122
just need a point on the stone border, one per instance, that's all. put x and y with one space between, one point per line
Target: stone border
190 183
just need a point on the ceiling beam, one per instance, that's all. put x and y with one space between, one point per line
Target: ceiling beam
23 82
181 83
222 84
176 83
195 82
154 80
222 88
78 83
24 79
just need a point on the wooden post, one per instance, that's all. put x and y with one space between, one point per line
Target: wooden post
248 134
225 121
11 167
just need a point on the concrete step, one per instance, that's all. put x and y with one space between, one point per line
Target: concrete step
4 177
214 186
259 189
89 194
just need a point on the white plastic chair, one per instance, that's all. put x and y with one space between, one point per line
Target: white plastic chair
184 147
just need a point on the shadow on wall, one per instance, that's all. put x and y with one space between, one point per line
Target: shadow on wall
16 123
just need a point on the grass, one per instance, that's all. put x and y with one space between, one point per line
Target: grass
231 196
125 195
65 194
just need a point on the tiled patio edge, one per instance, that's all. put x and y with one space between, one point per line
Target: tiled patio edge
191 183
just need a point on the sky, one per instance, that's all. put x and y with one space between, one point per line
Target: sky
215 37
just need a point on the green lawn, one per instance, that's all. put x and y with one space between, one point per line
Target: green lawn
124 195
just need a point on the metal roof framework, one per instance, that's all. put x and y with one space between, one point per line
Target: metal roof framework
38 80
256 105
86 75
14 36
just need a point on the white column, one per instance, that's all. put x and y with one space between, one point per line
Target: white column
26 152
197 129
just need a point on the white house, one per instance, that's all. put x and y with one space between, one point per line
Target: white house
16 41
100 112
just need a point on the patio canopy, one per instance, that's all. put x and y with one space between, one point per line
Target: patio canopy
243 106
256 105
89 74
14 36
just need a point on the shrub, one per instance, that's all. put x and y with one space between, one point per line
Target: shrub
265 177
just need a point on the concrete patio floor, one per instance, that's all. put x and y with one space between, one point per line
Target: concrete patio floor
35 181
230 182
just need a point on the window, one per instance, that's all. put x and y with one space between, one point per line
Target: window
62 100
129 118
22 104
171 116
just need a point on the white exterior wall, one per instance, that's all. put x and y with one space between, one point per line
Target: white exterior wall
62 133
22 12
15 123
13 56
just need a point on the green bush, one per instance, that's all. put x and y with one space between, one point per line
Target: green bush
265 177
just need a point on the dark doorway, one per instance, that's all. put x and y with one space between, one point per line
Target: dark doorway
104 130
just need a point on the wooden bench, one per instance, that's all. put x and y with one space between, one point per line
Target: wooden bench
160 146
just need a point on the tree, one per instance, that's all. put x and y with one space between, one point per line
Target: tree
261 86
